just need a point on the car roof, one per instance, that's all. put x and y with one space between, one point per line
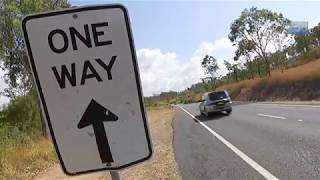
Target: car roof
205 94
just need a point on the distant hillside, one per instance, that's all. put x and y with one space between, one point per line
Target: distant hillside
297 83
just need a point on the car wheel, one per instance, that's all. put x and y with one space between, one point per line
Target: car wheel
205 113
229 112
201 113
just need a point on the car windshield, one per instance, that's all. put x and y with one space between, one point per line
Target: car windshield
217 95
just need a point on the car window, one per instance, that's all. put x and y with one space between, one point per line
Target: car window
204 97
217 95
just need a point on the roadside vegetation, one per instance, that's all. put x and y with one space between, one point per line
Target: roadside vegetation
295 84
268 64
24 151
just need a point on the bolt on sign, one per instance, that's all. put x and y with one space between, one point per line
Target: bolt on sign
84 65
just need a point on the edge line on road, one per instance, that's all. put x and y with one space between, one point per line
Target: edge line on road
265 173
271 116
290 105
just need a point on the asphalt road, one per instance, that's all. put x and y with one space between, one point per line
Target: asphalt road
257 141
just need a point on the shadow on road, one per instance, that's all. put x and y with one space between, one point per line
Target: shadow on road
237 103
212 117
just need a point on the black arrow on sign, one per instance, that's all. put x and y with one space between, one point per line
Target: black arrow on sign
94 115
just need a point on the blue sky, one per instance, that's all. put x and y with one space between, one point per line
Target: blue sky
181 26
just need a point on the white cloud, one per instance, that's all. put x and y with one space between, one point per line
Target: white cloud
211 47
163 71
220 49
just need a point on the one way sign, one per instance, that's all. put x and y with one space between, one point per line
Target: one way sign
84 64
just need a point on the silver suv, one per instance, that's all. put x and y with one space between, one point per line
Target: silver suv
216 101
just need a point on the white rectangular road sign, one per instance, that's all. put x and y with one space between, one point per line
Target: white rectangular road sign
84 64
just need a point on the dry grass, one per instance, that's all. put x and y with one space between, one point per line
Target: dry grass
297 73
305 76
25 161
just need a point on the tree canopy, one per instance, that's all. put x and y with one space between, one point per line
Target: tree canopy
209 63
13 57
255 30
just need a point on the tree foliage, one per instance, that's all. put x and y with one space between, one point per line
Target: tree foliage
13 57
255 30
23 114
309 41
233 70
209 63
303 43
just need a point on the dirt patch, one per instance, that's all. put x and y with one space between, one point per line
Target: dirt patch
161 166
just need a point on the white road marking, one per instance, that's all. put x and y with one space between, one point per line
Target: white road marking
271 116
300 120
265 173
290 105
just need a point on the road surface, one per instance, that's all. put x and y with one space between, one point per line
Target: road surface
257 141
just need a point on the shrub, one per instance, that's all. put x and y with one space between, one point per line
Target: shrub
23 150
23 114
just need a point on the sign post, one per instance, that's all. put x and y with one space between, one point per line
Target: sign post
84 64
115 175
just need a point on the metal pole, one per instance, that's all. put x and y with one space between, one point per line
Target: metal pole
115 175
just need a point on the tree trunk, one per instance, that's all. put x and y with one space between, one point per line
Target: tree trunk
250 70
268 66
252 73
259 69
213 82
235 75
